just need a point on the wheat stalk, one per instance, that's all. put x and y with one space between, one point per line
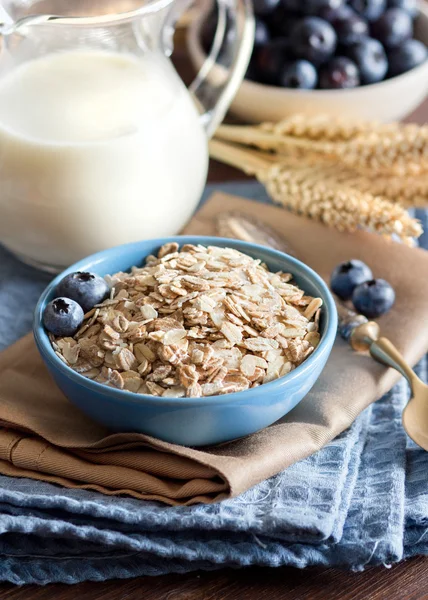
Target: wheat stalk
407 191
386 150
335 205
305 190
323 127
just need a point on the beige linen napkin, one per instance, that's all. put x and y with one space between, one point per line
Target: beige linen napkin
44 437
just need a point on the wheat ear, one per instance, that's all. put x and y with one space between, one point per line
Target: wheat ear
305 192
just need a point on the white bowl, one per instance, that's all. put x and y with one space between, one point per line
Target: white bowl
389 100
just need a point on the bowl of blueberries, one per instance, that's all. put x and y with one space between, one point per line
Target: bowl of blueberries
354 58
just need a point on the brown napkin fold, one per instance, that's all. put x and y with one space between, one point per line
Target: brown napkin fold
44 437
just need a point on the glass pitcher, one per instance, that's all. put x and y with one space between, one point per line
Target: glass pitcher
100 141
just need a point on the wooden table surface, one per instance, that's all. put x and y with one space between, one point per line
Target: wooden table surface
405 581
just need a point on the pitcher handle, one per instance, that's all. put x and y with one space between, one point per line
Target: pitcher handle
214 94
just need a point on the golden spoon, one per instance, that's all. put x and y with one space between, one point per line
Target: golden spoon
363 335
415 415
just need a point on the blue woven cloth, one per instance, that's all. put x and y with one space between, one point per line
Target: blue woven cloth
362 500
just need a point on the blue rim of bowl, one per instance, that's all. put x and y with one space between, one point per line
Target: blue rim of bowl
45 348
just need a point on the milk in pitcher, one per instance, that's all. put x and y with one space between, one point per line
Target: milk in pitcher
97 148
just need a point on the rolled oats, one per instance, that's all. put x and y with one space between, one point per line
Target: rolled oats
312 308
194 391
173 336
313 337
166 249
116 379
126 359
131 381
250 363
71 352
144 352
196 322
231 332
92 373
160 372
144 368
188 375
120 324
111 333
154 388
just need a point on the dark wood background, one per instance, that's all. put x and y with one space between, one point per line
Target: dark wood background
405 581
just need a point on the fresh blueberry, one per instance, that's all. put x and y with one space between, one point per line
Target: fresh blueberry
299 74
251 72
313 7
313 39
339 73
370 58
294 5
262 8
369 9
282 22
85 288
330 14
350 28
347 276
410 6
393 28
407 56
261 34
373 298
63 317
269 61
261 38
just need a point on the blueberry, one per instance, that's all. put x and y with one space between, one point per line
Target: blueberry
410 6
299 74
350 28
313 7
347 276
330 14
393 28
369 9
63 317
407 56
261 38
294 5
373 298
313 39
270 60
261 34
282 22
339 73
251 72
85 288
263 8
370 58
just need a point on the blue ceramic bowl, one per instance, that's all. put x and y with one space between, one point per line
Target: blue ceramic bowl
191 421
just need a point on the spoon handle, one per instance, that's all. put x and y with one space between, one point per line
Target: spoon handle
366 337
